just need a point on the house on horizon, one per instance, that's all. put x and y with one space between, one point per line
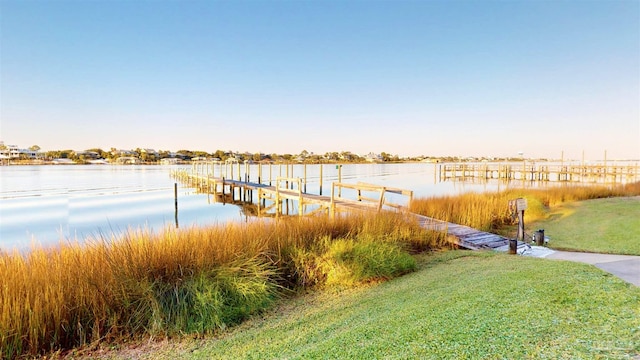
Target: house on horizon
15 152
124 153
170 161
88 155
373 157
149 152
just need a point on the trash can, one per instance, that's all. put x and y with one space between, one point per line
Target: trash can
539 237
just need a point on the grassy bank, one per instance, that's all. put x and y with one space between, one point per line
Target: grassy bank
609 225
489 211
458 305
194 281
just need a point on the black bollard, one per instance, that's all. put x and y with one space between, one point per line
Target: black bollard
513 246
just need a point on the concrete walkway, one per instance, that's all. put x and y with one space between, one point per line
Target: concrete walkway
626 267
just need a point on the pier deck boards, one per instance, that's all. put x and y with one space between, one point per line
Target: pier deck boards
467 237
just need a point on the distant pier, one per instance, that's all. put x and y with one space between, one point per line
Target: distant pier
529 171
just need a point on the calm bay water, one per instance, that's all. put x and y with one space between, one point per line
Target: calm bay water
47 204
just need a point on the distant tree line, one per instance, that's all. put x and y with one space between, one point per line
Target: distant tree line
153 156
147 155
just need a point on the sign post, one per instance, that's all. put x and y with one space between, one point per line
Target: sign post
521 206
517 208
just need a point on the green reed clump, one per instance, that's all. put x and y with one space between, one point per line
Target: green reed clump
213 300
360 260
196 280
351 260
311 263
488 211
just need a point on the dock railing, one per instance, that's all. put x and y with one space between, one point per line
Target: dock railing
360 188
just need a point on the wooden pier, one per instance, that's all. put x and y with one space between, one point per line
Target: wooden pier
530 171
283 191
468 237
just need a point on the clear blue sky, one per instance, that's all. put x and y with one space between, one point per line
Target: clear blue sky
461 78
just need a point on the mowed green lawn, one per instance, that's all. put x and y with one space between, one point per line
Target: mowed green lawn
609 225
458 305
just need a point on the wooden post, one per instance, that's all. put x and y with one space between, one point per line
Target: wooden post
339 179
332 209
520 207
521 225
305 177
259 173
278 204
259 201
382 191
533 171
321 166
300 203
223 196
239 176
175 197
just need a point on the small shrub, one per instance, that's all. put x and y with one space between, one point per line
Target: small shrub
349 262
304 268
215 300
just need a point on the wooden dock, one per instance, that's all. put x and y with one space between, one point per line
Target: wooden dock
275 200
530 171
468 237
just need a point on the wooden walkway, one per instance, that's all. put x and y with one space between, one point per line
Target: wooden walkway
241 192
468 237
365 196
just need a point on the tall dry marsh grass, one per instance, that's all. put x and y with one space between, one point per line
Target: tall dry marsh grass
195 281
489 211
